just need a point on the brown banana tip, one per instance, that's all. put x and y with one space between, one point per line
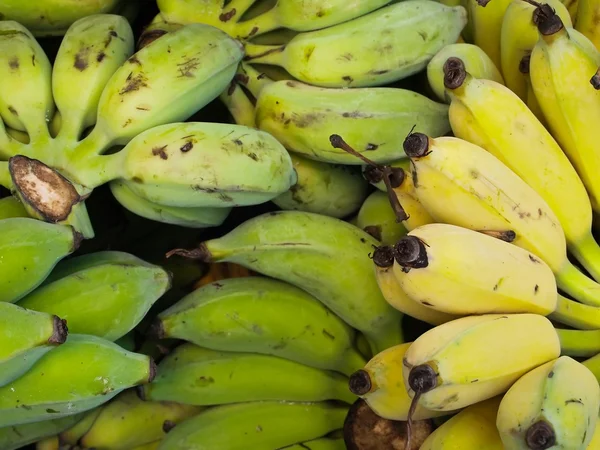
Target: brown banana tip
140 392
374 175
60 331
77 239
200 253
156 330
416 145
546 19
151 372
147 37
410 252
455 73
483 3
524 64
360 382
168 425
595 80
540 436
384 256
422 378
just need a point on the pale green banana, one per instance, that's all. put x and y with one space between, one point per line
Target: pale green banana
26 336
187 217
374 121
23 266
255 425
19 436
319 444
322 188
377 218
106 299
326 257
81 374
10 207
271 317
91 51
402 38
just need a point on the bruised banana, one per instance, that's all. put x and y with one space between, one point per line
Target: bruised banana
322 188
105 294
491 116
19 436
11 207
271 317
26 336
127 422
411 32
22 265
377 218
256 425
554 405
298 247
81 374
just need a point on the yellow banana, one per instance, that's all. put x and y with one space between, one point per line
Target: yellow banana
486 19
587 20
50 443
595 441
73 433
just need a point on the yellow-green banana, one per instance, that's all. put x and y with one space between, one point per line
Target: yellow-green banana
299 247
271 317
403 37
19 436
72 434
319 444
486 21
11 207
210 12
26 336
587 20
377 218
104 294
256 425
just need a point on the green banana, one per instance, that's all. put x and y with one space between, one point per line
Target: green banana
22 265
91 51
26 336
255 425
187 217
322 188
244 377
19 436
373 120
271 317
81 374
403 37
319 444
127 422
107 297
377 218
11 207
326 257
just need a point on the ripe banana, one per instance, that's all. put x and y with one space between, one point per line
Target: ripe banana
239 105
72 434
299 248
26 336
82 373
490 115
256 425
127 422
22 265
19 436
377 218
486 21
271 317
403 37
477 62
11 207
187 217
49 443
473 428
555 404
329 189
587 20
105 294
91 51
372 120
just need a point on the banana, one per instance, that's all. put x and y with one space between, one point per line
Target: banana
403 37
53 17
157 28
530 98
127 422
187 217
150 446
322 188
377 218
475 358
81 374
587 12
17 135
210 12
319 444
490 115
107 297
477 62
239 105
595 442
49 443
381 385
299 247
473 428
256 425
91 51
19 436
271 317
221 271
72 434
11 207
26 336
22 265
554 405
486 19
303 117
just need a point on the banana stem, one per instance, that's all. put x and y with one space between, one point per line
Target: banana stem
579 343
70 130
265 54
254 80
577 315
94 144
578 285
5 178
587 252
267 21
239 105
240 6
593 364
100 169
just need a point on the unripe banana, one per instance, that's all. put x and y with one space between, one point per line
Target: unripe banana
22 265
403 37
322 188
475 358
11 207
377 218
256 425
473 428
554 405
486 19
587 20
210 12
91 51
105 298
595 442
49 443
127 422
150 446
285 321
319 444
477 62
82 373
26 336
298 248
19 436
